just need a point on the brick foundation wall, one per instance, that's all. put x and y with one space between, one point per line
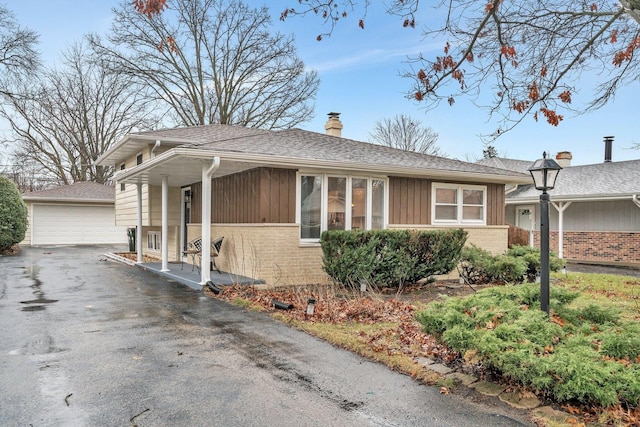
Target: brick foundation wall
605 247
491 238
273 252
270 252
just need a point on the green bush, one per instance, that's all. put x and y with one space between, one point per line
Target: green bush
13 215
389 258
586 354
514 266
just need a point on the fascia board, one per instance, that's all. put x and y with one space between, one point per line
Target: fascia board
141 138
66 199
365 168
585 198
310 163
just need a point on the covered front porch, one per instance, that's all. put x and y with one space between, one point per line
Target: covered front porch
191 277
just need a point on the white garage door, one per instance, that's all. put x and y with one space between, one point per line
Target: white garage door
74 224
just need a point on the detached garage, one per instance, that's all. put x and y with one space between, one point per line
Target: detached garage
77 214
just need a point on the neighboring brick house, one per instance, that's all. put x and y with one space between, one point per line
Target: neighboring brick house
271 194
594 213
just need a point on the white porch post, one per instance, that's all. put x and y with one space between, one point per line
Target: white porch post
207 173
165 223
560 207
139 227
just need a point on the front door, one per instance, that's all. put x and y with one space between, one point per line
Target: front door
185 217
525 219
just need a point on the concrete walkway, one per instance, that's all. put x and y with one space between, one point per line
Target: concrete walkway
187 274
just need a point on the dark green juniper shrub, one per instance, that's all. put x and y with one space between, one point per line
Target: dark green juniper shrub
582 354
516 265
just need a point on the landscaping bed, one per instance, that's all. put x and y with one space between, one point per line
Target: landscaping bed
382 326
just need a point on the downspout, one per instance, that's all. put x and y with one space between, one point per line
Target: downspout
560 207
207 174
635 200
155 147
139 225
165 223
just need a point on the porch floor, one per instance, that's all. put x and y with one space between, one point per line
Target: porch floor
185 274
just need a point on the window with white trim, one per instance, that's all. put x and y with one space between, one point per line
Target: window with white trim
154 241
339 202
459 204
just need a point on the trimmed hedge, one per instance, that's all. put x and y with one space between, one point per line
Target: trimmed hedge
390 258
13 215
518 264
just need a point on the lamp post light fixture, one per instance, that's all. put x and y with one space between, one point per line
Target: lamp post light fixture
544 173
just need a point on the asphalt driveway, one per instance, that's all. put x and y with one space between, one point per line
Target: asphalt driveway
89 342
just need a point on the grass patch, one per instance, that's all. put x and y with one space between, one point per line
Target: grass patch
587 352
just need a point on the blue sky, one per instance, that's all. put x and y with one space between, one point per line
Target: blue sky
359 72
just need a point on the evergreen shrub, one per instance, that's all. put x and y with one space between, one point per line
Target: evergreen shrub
389 258
13 215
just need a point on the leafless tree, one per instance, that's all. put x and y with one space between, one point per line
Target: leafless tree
405 133
65 119
518 58
18 55
213 61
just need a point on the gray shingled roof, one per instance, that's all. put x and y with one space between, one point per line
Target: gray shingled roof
78 192
208 133
508 164
604 180
305 145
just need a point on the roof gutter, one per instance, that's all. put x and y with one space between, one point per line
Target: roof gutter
311 163
585 198
196 153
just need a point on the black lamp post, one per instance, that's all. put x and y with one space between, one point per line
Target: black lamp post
544 173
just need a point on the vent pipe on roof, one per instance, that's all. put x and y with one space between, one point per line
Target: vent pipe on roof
334 125
608 145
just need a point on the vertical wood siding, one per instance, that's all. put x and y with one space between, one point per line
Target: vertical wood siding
410 201
262 195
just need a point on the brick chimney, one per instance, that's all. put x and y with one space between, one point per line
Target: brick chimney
608 147
564 158
334 125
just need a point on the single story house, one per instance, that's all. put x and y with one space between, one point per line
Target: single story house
594 215
76 214
270 194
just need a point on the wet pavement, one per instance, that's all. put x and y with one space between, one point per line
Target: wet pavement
85 341
574 267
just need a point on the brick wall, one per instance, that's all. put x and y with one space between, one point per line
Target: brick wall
605 247
491 238
271 252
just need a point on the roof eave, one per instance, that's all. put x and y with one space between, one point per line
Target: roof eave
111 157
319 164
67 199
572 198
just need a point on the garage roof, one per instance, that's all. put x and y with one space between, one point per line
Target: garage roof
87 192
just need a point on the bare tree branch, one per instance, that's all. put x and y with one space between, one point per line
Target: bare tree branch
213 61
517 58
405 133
69 116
